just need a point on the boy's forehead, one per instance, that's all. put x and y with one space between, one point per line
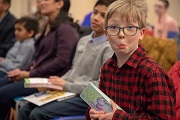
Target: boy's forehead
20 24
121 18
17 24
100 7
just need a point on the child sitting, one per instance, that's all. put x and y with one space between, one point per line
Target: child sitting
23 50
131 78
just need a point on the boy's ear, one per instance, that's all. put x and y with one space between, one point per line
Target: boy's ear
142 34
30 33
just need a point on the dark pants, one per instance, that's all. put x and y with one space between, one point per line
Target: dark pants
2 74
8 91
69 107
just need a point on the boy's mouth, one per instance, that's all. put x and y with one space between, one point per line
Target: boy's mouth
94 24
121 46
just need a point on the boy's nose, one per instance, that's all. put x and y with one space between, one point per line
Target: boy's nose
121 34
96 17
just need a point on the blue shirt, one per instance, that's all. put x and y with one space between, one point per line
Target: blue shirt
87 21
101 38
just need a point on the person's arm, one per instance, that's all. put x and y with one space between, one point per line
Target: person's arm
66 75
170 28
78 87
174 74
7 43
65 45
173 26
21 59
160 102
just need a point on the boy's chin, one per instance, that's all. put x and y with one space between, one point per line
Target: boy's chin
98 31
95 29
121 51
19 40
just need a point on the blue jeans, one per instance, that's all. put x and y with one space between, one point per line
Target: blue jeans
69 107
8 91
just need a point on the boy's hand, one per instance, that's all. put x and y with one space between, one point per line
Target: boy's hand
14 73
94 115
109 116
57 81
18 75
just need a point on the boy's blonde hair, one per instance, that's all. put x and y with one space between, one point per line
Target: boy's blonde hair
130 10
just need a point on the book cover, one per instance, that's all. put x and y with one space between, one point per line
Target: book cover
42 98
39 82
96 99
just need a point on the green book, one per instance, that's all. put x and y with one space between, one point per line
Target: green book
96 99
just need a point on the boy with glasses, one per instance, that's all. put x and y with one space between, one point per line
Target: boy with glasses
131 78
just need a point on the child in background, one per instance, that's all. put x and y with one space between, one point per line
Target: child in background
92 51
131 78
23 50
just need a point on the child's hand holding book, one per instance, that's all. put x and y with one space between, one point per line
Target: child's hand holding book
101 115
102 107
57 81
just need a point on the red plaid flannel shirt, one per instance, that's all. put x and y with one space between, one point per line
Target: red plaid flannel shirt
140 87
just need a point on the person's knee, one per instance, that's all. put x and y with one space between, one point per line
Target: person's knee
21 113
36 114
4 96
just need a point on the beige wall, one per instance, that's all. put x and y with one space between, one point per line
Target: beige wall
19 7
79 8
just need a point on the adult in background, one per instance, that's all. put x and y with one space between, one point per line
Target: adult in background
53 55
7 21
165 25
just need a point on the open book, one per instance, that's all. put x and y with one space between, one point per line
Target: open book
40 82
96 99
42 98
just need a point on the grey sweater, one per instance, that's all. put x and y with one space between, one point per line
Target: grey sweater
19 55
87 64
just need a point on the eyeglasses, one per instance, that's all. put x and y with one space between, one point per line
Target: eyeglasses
127 30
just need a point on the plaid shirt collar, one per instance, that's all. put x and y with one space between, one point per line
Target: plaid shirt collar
133 61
